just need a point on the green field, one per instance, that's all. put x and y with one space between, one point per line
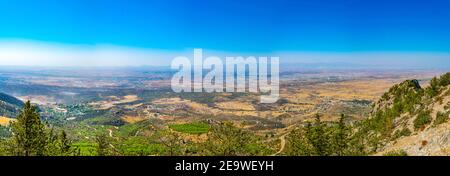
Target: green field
191 128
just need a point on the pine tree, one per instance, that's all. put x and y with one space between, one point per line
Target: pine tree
102 145
227 140
29 133
433 89
341 137
318 137
173 142
64 143
298 142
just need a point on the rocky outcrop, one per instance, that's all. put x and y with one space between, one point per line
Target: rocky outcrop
418 118
400 93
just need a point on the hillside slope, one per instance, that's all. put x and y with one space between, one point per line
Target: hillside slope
413 119
9 105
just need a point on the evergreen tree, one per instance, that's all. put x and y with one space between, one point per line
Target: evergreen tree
102 145
173 142
29 133
321 139
318 137
227 140
341 137
64 143
298 143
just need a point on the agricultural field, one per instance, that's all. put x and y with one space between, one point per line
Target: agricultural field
5 121
140 115
191 128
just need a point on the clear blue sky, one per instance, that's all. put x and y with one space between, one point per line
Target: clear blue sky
227 25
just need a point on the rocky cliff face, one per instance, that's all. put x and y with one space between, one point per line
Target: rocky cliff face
415 119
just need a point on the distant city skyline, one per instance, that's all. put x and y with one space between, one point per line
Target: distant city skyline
414 33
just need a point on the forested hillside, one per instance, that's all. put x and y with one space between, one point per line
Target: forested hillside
407 120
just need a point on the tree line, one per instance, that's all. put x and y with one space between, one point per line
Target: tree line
30 136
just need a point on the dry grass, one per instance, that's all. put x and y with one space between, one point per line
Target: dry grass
236 105
113 101
194 106
133 119
304 101
349 90
4 121
39 100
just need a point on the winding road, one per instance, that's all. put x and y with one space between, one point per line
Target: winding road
110 133
282 144
283 139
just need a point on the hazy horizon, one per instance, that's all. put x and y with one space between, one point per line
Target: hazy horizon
45 54
104 33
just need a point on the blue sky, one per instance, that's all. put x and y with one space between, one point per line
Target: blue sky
265 26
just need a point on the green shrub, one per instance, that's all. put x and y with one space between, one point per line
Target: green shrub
5 132
85 148
403 132
423 118
396 153
441 118
437 84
